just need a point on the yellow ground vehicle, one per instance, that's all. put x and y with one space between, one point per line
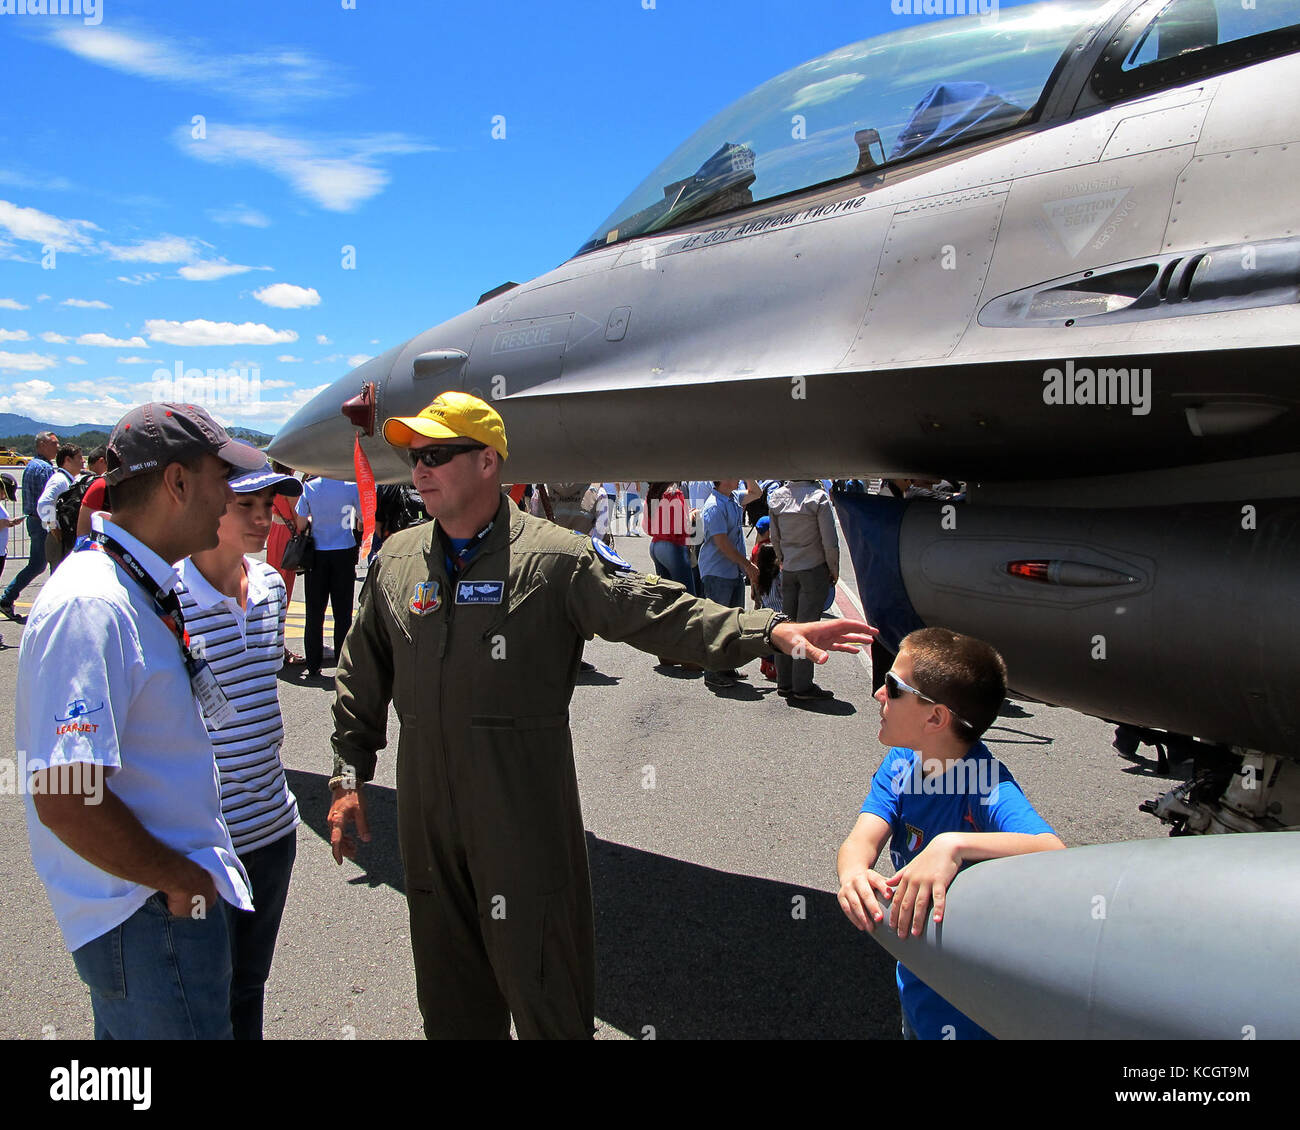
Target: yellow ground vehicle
11 458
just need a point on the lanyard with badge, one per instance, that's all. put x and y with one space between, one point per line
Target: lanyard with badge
216 707
456 562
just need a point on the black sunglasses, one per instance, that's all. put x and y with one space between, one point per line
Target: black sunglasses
439 453
896 688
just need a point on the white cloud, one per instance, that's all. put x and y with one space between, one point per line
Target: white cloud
22 180
86 304
200 331
139 279
339 174
106 342
321 339
214 269
74 361
277 384
358 359
271 75
240 214
35 226
42 298
14 335
286 296
35 387
818 93
26 362
96 401
374 341
288 359
54 339
163 249
12 304
138 361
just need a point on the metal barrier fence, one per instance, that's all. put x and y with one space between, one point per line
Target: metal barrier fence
19 543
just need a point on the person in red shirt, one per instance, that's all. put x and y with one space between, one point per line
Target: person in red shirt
95 497
284 524
668 520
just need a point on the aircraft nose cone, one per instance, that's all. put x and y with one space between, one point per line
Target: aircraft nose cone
318 438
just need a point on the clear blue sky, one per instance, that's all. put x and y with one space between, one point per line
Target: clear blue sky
325 126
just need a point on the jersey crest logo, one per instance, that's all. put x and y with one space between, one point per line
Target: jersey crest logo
915 838
480 592
426 598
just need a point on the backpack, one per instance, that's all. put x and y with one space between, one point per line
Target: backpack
574 505
399 507
67 508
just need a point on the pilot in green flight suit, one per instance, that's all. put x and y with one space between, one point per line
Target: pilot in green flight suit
473 626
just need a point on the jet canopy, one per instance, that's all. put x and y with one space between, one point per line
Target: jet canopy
893 98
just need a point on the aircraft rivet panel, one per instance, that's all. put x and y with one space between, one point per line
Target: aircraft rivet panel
1255 106
1162 129
1265 183
941 250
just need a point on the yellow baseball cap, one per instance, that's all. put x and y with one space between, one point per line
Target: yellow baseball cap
452 415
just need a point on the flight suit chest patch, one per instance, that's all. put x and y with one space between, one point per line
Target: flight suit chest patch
427 598
480 592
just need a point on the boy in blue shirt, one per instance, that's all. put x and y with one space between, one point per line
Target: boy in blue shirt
942 797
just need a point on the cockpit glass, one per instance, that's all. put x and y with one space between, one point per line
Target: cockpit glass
1186 26
899 96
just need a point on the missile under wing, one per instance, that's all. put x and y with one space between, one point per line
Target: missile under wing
1052 253
1084 944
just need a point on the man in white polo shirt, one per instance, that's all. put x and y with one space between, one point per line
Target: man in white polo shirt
123 804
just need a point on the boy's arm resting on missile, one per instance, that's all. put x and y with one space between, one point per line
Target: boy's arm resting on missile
927 878
860 883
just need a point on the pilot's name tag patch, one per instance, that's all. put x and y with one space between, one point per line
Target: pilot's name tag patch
480 592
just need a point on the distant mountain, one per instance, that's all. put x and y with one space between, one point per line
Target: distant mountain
16 427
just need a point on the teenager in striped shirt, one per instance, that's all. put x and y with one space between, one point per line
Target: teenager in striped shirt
234 607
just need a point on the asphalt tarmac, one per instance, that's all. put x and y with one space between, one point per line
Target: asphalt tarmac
716 914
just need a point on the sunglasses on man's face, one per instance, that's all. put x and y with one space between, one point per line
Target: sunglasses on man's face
895 687
439 453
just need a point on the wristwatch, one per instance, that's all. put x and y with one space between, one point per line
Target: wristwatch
777 618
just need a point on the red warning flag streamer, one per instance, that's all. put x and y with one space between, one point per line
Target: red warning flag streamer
366 489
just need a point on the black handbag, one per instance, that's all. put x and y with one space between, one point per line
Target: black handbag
299 552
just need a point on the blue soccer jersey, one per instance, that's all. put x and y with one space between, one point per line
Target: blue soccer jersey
978 794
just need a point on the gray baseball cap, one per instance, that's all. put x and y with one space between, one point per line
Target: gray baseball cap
151 436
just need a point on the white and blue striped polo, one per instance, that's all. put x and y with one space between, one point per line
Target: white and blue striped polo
245 648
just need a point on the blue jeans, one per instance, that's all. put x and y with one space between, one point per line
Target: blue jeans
674 562
253 932
156 977
35 562
721 590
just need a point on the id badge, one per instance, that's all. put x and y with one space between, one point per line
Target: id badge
217 708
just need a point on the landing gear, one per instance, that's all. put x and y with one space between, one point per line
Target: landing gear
1235 790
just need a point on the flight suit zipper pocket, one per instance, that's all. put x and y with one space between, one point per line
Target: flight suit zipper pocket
515 601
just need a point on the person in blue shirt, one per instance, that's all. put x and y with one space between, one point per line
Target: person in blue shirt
334 508
35 475
724 568
941 799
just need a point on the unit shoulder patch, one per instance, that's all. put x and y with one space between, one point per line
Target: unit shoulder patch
609 556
